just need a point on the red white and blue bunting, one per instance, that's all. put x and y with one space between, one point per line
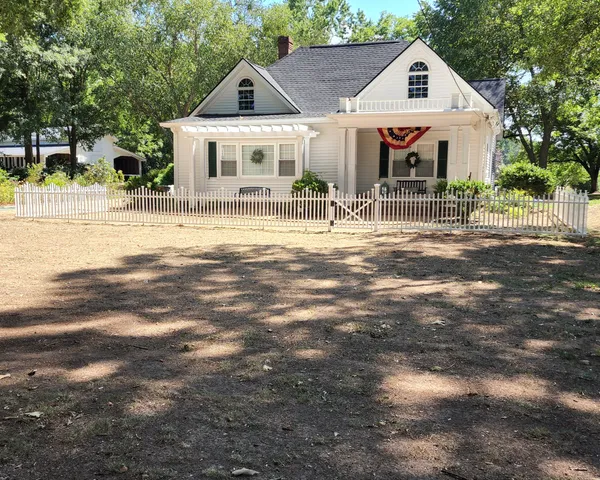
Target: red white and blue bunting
399 138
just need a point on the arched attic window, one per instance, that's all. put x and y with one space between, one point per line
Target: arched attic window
246 95
418 80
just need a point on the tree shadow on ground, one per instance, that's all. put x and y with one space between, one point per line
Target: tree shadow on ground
397 361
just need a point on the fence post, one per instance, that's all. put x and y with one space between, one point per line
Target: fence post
376 207
330 207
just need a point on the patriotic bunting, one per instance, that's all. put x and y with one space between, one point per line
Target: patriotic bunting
399 138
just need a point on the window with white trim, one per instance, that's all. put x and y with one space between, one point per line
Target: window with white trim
246 95
418 80
229 160
287 160
251 167
425 168
426 165
399 166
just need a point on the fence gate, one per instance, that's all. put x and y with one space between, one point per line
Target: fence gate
354 211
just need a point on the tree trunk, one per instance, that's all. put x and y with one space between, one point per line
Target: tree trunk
545 146
28 144
594 179
73 148
37 148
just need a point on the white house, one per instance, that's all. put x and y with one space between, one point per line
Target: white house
129 163
350 112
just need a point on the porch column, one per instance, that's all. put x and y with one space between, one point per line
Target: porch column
192 160
200 162
466 165
452 153
306 154
342 159
351 152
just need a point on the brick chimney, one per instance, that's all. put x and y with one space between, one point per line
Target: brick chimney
286 45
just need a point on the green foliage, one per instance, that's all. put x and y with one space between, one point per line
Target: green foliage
58 178
441 186
166 176
101 173
570 174
311 181
468 187
35 173
7 188
153 179
20 173
526 177
388 27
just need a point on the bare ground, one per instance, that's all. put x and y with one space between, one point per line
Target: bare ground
172 353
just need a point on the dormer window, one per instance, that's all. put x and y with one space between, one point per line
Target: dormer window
246 95
418 80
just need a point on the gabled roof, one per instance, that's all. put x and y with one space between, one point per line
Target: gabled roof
312 79
258 69
316 77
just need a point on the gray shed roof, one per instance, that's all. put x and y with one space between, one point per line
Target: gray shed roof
314 78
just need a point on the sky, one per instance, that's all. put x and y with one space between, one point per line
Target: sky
373 8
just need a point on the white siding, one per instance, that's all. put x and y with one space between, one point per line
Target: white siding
324 152
367 167
392 84
266 100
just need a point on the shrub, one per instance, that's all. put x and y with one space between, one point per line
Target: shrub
101 173
35 173
7 188
468 187
19 173
58 178
153 179
311 181
527 177
441 186
166 176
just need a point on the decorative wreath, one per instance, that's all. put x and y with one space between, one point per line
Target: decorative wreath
412 159
257 156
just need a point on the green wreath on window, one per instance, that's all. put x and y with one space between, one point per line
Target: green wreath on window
412 159
257 156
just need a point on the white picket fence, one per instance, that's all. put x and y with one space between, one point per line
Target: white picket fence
564 212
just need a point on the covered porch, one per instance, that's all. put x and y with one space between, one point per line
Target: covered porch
455 145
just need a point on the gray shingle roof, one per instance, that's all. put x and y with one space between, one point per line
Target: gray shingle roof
493 90
267 76
316 77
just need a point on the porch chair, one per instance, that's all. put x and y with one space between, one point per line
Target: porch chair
411 186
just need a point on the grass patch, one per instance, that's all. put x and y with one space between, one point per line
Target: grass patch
587 285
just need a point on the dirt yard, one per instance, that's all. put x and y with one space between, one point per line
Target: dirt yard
143 352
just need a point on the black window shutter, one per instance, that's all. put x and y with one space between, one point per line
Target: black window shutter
384 160
442 170
212 159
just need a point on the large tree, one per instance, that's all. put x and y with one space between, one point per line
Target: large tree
537 44
578 136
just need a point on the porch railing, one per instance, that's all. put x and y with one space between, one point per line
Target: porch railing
414 104
564 212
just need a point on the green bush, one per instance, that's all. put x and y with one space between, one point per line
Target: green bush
35 173
7 188
58 178
468 187
528 177
166 176
19 173
101 173
311 181
441 186
153 179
